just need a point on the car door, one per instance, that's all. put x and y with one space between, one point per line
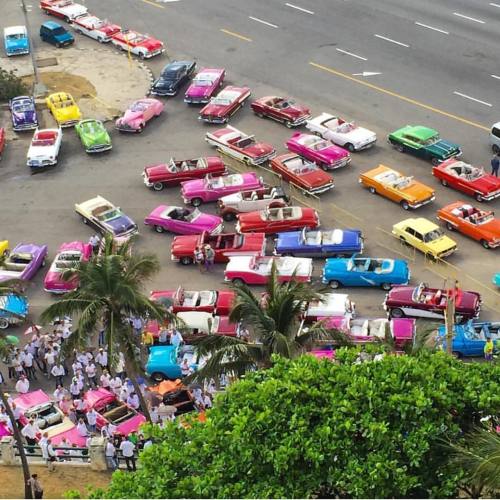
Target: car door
411 145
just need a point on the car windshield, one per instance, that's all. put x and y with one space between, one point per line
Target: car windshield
433 235
138 106
16 36
134 38
170 75
68 260
203 82
109 215
59 31
432 140
22 106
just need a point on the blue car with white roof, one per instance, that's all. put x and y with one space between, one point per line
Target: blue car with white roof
365 271
316 243
13 309
16 42
469 338
165 362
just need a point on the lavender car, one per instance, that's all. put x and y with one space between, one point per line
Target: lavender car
181 220
23 113
23 262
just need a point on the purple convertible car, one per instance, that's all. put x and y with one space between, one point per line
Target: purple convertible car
23 262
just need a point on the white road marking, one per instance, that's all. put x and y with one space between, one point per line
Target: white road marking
472 99
495 5
469 18
391 40
495 76
263 22
300 8
366 73
351 54
432 28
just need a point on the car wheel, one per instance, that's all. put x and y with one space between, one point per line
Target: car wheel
186 261
158 186
142 55
397 313
159 229
450 226
404 205
141 128
457 354
259 114
238 281
399 147
4 323
485 244
196 202
158 377
288 124
372 190
324 166
386 286
85 220
444 182
478 197
349 147
228 216
403 241
287 254
431 257
335 284
58 45
247 161
435 161
495 149
100 39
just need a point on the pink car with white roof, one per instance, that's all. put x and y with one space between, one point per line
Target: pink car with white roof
322 152
138 114
204 85
68 257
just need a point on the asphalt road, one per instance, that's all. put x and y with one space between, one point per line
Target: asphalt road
275 58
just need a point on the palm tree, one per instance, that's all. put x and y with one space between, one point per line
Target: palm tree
274 319
111 288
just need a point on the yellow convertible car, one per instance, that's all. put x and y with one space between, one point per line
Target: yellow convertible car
64 109
425 236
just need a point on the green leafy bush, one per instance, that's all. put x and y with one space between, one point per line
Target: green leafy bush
11 85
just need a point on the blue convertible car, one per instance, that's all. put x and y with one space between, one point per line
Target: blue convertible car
165 361
364 271
470 337
308 243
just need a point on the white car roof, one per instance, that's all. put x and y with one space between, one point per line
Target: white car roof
331 302
239 262
94 202
196 319
15 30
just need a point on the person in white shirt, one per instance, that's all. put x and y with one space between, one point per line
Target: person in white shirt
163 336
123 394
44 443
105 379
76 366
176 339
58 372
127 448
155 417
115 384
50 359
120 365
18 366
133 401
110 454
28 365
30 431
74 388
23 385
52 456
92 420
108 430
91 371
60 393
82 359
17 413
80 380
102 358
82 428
207 401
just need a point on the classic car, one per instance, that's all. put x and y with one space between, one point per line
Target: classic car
281 109
180 220
469 339
225 245
23 262
211 188
44 148
172 77
111 410
424 302
13 309
276 220
241 146
23 113
425 236
4 248
55 34
16 41
106 218
164 362
496 279
93 27
217 302
2 141
138 115
337 305
423 142
175 393
68 257
144 46
65 9
365 271
255 270
64 109
204 85
473 181
224 105
399 188
249 201
495 137
200 324
322 152
317 243
302 173
94 136
176 171
349 135
480 225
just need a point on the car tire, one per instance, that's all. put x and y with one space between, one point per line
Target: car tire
404 205
158 186
99 39
450 226
403 241
85 220
229 216
288 124
186 261
259 114
457 355
431 257
141 128
397 313
158 377
495 148
386 286
334 284
399 147
485 244
435 161
324 166
237 281
196 202
372 190
287 254
4 323
159 229
349 147
478 197
444 182
142 56
58 45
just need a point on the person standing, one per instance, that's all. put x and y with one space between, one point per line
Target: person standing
127 448
30 431
58 372
488 349
110 454
163 336
137 325
102 358
115 384
209 257
105 379
199 258
35 486
495 164
74 388
82 428
92 420
133 401
94 242
176 339
28 364
23 385
91 371
50 359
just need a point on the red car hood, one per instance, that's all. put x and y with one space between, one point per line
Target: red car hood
250 218
110 29
151 44
214 109
295 111
486 184
154 170
160 294
316 178
258 149
185 243
492 227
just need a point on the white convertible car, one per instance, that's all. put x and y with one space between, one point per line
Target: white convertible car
44 148
345 134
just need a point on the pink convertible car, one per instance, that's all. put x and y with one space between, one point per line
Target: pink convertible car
181 220
204 85
68 257
324 153
138 114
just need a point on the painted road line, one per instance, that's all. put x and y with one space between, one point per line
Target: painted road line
472 99
432 28
469 18
351 54
154 4
495 76
495 5
391 40
366 73
300 8
399 96
237 35
262 21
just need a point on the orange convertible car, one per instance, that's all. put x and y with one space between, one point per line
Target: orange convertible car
390 183
480 225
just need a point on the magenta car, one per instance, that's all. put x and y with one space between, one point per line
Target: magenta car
138 114
68 257
322 152
23 262
112 410
204 85
181 220
200 191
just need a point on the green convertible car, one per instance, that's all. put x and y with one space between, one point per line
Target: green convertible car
94 136
423 142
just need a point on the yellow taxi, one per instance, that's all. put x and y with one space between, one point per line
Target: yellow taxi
64 109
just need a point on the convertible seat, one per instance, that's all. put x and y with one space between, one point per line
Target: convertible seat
313 238
190 299
206 298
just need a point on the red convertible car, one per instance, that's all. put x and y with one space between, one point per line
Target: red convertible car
470 180
176 171
277 220
225 246
225 104
302 173
211 301
424 302
281 109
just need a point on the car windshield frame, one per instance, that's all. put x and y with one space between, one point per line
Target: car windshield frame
433 235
